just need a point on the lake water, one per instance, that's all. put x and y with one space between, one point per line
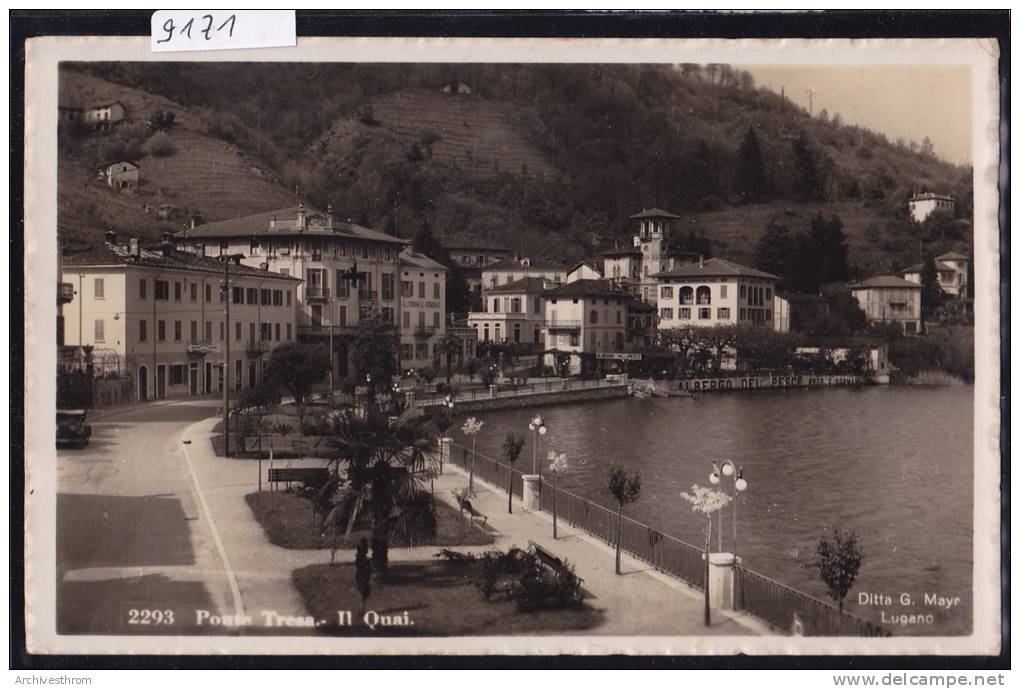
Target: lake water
893 463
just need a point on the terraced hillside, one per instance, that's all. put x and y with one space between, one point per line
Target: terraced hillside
464 131
191 171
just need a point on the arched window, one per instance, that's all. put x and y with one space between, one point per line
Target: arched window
686 295
704 295
594 317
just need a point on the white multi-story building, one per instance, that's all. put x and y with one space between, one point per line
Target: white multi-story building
422 309
713 292
161 314
923 205
582 319
510 270
348 272
512 313
890 299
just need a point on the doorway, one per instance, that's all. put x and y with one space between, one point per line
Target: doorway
193 378
143 383
208 378
161 381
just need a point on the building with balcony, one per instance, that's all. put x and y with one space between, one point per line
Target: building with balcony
890 299
422 310
472 255
714 292
951 269
583 319
512 313
161 313
348 272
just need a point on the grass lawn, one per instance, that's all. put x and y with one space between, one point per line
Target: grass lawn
439 597
289 524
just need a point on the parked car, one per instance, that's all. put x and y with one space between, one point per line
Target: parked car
72 429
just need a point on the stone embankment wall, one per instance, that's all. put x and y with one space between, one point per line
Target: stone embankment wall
540 399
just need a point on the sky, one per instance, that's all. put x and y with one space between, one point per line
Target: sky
909 101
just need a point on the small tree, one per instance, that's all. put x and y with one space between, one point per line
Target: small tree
513 444
626 488
706 501
838 560
557 464
363 571
471 427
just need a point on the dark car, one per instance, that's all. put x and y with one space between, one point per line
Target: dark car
72 429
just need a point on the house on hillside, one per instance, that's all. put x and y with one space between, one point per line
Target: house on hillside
98 116
717 292
924 204
457 88
951 269
120 174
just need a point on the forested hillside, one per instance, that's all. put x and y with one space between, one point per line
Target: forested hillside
552 159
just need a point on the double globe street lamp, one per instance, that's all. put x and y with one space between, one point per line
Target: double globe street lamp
729 469
537 426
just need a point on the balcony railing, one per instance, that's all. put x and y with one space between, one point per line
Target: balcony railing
563 325
316 293
424 331
322 329
202 346
65 293
257 347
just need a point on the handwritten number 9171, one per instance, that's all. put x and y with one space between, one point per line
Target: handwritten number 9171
169 27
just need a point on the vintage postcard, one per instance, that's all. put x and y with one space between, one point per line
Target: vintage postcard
513 346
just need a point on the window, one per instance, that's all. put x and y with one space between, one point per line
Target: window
208 293
495 305
421 290
266 297
406 288
343 315
684 313
178 331
161 331
722 291
722 314
704 314
265 331
515 304
496 334
485 330
208 331
364 251
177 374
421 319
768 294
435 290
252 296
743 314
387 314
288 329
435 321
237 295
686 296
237 331
99 288
143 331
193 291
177 291
704 295
594 317
421 350
406 351
143 288
221 331
288 297
276 331
619 317
667 292
162 290
277 297
743 291
251 332
194 331
387 286
667 314
407 320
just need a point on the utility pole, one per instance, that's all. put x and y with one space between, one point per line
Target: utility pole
811 102
226 356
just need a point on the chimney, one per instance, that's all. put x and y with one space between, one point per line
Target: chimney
301 216
272 222
329 216
236 258
133 247
110 236
193 222
701 260
200 249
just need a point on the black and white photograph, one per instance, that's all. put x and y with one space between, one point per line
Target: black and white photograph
640 348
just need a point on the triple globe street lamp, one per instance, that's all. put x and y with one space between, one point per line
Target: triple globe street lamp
729 469
538 427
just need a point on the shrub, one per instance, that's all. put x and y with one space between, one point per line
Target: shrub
542 589
317 424
428 375
159 146
495 565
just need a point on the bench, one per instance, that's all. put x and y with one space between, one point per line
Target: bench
549 560
466 506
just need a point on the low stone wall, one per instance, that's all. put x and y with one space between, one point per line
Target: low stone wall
765 382
540 399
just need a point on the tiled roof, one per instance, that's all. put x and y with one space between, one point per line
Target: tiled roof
953 256
412 258
654 213
918 267
587 288
508 264
714 267
286 225
528 285
885 281
166 258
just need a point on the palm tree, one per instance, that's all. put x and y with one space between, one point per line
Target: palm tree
449 344
380 473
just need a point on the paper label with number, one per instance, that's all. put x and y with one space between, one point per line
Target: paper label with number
183 30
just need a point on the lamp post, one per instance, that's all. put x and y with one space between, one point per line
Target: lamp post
557 463
537 425
728 468
448 406
471 427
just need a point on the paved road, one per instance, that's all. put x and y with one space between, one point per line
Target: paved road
131 533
